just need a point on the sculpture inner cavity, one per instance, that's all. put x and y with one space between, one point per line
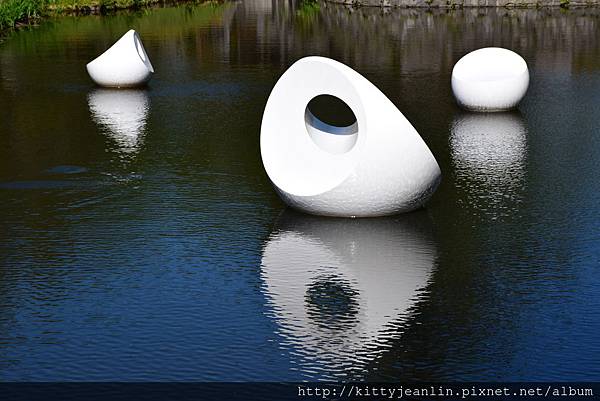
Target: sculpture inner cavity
331 124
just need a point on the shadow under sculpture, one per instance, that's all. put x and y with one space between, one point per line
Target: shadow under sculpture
342 289
377 166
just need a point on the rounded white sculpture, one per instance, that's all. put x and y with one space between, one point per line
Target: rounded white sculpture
123 115
490 79
124 65
342 290
377 166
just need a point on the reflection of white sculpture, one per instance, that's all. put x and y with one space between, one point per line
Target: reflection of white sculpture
490 150
123 113
377 166
490 79
124 65
341 290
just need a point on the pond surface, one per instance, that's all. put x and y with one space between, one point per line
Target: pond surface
140 238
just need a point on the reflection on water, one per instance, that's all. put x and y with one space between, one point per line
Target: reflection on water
122 114
340 290
416 42
141 281
489 153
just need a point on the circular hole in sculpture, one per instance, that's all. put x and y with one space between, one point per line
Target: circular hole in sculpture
331 124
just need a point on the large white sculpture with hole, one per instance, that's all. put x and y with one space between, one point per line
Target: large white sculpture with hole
377 166
490 79
124 65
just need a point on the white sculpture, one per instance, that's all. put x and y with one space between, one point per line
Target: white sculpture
377 166
490 79
489 154
122 114
341 290
124 65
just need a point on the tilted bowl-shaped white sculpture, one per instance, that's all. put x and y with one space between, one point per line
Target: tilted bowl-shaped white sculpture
377 166
490 79
124 65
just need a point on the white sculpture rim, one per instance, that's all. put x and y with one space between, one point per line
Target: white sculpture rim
124 65
388 168
490 79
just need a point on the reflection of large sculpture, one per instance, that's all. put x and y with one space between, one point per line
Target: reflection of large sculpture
341 289
490 79
490 150
123 113
124 65
377 166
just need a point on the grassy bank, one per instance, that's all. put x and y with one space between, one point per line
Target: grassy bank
14 13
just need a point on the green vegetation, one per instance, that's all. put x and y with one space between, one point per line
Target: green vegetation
308 8
61 6
14 13
307 12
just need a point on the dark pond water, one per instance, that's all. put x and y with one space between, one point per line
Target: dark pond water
140 238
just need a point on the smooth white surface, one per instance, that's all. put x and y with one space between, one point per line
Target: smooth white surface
380 264
124 65
383 168
490 79
123 114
